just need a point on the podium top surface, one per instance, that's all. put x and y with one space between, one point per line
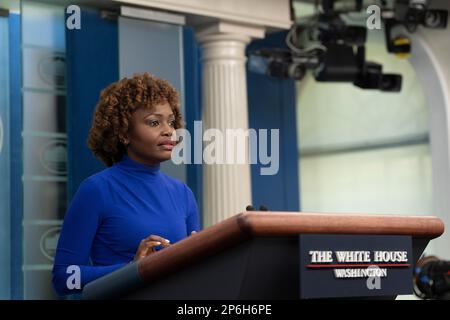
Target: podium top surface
292 223
247 225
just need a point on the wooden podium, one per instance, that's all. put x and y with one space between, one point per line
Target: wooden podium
252 255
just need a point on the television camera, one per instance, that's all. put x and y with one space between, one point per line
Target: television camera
337 53
432 278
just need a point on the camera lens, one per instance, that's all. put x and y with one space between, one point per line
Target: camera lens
391 82
436 19
296 71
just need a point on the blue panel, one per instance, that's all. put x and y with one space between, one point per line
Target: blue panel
92 64
16 156
5 216
272 106
193 111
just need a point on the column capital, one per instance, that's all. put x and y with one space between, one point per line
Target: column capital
227 31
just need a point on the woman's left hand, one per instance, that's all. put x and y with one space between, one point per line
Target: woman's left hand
148 245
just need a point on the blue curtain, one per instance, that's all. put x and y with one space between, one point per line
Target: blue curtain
15 140
92 63
193 110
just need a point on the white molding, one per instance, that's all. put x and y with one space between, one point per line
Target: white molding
42 222
276 12
42 178
152 15
37 267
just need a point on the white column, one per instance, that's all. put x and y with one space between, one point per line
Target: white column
226 187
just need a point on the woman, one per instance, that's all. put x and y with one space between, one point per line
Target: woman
131 209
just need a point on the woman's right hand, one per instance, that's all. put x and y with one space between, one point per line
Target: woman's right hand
148 245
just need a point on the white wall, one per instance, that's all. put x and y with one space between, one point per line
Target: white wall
365 150
431 59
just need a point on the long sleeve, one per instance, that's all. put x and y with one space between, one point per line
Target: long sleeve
112 212
74 246
192 221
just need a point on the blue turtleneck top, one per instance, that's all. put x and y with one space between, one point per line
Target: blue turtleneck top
112 212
